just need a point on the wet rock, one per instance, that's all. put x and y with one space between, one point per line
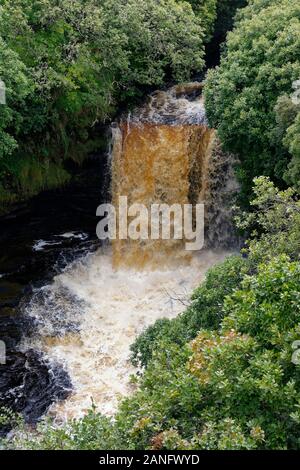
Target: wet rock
29 384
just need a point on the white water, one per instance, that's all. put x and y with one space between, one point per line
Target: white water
172 107
41 245
90 315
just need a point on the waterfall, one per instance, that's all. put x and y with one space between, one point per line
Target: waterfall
165 153
89 315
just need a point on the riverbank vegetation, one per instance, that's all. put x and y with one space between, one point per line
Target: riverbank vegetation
225 373
69 67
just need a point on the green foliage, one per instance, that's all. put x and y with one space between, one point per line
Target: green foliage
163 40
9 418
13 73
259 64
268 305
276 219
206 10
227 435
92 432
206 310
69 65
245 376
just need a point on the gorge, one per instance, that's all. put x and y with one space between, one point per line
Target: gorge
83 320
150 227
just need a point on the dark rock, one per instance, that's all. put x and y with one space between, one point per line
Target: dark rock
29 384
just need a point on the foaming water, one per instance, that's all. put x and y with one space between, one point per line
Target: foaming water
180 105
90 315
87 318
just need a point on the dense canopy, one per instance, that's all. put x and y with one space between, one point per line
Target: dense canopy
69 65
260 63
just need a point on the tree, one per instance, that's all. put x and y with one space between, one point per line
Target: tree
164 40
83 59
206 10
17 87
275 222
259 64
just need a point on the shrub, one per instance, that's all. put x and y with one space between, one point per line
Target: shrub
275 222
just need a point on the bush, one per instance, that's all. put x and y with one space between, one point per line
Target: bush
92 432
275 220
